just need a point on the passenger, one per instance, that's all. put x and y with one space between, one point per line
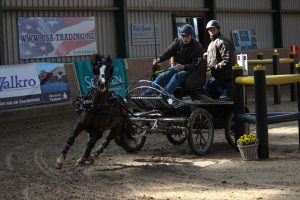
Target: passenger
187 54
220 58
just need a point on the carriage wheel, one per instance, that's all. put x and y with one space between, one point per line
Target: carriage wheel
177 136
133 136
229 128
201 131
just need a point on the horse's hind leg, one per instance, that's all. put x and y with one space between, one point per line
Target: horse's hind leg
86 158
59 162
113 132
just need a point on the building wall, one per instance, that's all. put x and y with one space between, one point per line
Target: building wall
290 22
102 10
166 4
243 4
243 14
159 12
232 14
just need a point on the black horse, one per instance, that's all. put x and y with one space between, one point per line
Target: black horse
99 111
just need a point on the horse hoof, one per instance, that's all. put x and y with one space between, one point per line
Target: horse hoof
59 165
80 162
94 156
90 161
60 162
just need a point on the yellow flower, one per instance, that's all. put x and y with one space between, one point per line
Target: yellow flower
247 139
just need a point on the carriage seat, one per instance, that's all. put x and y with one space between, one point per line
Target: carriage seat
181 92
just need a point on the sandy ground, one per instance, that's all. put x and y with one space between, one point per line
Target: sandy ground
30 145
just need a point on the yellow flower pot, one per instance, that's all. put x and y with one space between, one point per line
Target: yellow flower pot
248 152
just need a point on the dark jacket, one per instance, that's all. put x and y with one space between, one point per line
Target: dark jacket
220 57
191 56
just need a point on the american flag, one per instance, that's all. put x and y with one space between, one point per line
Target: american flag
56 36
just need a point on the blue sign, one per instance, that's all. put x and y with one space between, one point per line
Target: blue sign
244 40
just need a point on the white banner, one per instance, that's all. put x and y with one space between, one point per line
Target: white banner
143 34
242 60
19 80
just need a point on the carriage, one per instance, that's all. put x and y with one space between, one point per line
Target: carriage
188 116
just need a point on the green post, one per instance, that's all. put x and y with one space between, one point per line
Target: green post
121 26
292 71
276 72
260 55
238 99
277 23
261 111
298 102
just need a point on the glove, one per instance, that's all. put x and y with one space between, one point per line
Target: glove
155 61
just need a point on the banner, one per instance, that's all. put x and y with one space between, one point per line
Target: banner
84 76
242 60
244 40
86 80
144 34
119 82
56 36
19 80
32 84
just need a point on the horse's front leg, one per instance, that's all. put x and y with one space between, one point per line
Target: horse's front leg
60 160
86 158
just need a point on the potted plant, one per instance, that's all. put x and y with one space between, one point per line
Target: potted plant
248 145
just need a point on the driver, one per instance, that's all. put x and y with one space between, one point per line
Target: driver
187 54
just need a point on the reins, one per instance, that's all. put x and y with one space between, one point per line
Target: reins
147 74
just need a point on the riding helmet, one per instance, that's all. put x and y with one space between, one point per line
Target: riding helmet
213 23
187 30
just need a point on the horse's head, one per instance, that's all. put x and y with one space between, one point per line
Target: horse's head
103 71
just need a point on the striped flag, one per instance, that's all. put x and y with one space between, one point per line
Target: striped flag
56 36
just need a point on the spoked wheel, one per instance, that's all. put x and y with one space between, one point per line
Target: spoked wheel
200 131
177 136
133 136
229 128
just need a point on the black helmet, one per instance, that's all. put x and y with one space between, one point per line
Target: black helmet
213 23
187 30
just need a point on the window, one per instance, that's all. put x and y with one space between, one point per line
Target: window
197 22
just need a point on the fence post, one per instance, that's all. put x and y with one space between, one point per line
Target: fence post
261 111
298 101
260 55
276 72
292 71
238 99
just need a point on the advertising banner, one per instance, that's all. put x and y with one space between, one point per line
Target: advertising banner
244 40
86 80
84 76
56 36
32 84
119 82
19 80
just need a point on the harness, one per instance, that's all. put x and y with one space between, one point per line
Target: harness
84 103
